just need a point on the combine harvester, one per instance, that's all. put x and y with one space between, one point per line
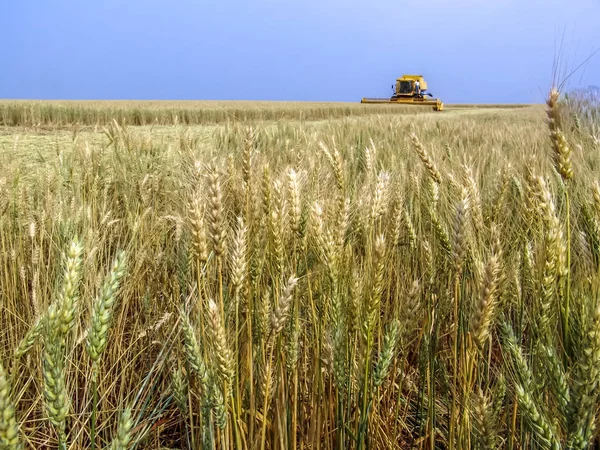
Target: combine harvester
406 93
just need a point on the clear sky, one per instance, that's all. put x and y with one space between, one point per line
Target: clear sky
321 50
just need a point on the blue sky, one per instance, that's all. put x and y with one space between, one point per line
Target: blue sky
321 50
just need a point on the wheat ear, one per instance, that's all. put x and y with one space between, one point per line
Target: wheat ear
102 310
55 390
9 428
216 222
387 354
30 337
121 440
562 151
539 424
179 387
221 351
485 308
68 298
434 173
192 350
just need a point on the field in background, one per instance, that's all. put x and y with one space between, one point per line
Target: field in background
298 276
63 113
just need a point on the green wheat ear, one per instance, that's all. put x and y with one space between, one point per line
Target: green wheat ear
30 338
55 390
97 336
539 424
68 298
387 354
121 440
9 429
192 349
179 388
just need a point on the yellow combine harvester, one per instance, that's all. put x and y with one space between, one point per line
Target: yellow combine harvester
407 92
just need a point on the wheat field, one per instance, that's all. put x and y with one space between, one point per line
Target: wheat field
299 276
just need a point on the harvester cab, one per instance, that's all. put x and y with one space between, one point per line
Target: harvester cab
407 87
406 91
